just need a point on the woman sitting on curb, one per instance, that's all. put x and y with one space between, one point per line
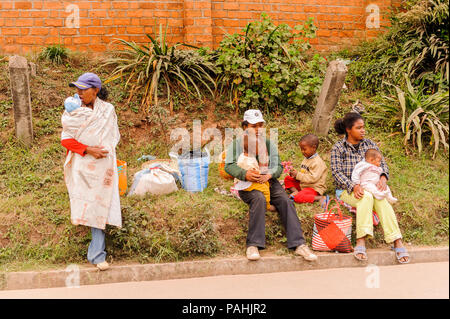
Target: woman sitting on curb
345 154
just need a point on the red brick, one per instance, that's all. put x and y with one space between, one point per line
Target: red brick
107 22
311 9
120 5
52 40
25 14
81 40
39 14
23 5
96 30
9 14
97 47
85 22
203 21
147 5
10 31
122 21
135 30
67 41
30 40
231 23
54 14
68 31
53 22
323 33
134 14
177 6
178 22
98 14
230 6
23 22
200 5
54 5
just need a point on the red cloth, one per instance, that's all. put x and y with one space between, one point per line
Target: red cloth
305 195
73 145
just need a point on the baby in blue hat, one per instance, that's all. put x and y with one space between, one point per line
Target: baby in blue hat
72 103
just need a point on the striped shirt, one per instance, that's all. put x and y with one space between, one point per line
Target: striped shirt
345 156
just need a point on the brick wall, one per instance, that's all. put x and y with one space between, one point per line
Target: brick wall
30 25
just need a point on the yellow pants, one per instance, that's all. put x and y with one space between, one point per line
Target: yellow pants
364 223
263 188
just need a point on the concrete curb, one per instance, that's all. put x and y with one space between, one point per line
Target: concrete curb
205 268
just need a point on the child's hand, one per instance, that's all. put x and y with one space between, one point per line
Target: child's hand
293 172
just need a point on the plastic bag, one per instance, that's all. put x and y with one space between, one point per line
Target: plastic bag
122 172
194 169
154 181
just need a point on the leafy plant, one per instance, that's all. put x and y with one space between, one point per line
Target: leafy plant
422 116
267 66
415 44
149 69
56 54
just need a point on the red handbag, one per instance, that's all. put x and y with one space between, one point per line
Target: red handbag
332 232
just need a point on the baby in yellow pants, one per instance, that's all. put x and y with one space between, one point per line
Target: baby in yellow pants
248 161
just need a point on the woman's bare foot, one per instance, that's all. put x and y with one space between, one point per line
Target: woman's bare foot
272 208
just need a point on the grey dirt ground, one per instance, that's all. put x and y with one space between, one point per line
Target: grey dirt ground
421 280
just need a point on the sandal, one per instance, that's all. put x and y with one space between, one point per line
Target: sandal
401 252
360 250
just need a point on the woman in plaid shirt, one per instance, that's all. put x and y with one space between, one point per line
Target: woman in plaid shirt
345 154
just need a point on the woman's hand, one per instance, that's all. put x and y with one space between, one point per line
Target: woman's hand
264 178
252 176
96 151
358 191
382 183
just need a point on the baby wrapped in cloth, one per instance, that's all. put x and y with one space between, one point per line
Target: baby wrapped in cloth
368 172
92 183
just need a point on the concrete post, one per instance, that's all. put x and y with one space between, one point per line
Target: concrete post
20 89
329 96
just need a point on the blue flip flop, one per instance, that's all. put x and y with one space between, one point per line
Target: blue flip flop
360 250
401 252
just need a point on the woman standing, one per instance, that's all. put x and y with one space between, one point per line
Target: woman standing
90 169
345 154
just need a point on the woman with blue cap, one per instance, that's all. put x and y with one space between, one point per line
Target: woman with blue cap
90 169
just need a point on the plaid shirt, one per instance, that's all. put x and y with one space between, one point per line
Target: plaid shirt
344 157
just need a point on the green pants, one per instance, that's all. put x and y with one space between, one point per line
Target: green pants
364 222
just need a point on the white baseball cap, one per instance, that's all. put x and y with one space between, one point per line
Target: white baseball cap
253 116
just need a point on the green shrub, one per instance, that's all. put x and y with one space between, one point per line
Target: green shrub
186 233
149 69
195 235
415 44
56 54
267 66
422 117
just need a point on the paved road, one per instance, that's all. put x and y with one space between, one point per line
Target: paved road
427 280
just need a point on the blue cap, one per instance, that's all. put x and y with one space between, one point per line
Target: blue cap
86 81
